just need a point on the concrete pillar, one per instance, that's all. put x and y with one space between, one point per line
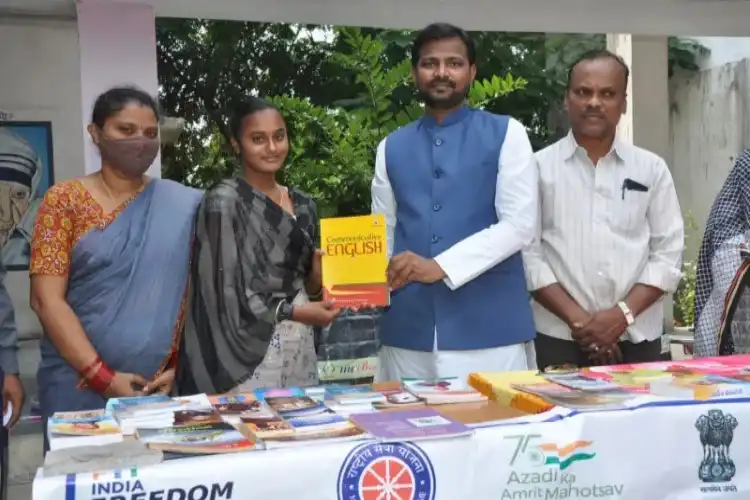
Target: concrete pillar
117 45
646 123
647 120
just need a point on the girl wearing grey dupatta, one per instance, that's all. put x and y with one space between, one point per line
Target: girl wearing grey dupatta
255 268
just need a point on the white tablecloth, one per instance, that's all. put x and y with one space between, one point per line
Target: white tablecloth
662 451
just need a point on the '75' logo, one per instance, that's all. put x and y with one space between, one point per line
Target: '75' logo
549 453
522 449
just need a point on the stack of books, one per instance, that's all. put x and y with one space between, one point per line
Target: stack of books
348 399
156 412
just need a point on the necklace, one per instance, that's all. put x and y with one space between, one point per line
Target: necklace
106 187
109 191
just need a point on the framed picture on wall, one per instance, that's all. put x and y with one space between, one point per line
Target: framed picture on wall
26 172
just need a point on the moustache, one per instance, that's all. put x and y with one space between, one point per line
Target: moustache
442 81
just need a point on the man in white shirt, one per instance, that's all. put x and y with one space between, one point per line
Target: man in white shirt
610 232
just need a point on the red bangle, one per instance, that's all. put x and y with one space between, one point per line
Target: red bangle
90 366
101 379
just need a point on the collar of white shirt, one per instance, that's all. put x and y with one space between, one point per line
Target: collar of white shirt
620 147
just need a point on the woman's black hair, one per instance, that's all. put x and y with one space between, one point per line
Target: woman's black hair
245 108
116 99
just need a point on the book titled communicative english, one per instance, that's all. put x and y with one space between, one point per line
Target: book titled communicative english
355 262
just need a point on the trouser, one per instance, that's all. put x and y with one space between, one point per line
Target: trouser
551 351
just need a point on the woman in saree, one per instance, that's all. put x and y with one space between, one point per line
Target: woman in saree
255 272
109 266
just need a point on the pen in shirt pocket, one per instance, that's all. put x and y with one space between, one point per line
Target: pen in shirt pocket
631 185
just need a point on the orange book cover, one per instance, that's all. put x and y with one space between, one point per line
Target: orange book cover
355 261
499 387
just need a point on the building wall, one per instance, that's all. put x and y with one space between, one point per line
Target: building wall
710 126
723 50
40 80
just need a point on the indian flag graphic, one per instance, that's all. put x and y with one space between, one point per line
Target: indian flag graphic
565 456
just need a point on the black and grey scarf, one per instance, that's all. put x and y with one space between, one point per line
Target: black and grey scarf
249 255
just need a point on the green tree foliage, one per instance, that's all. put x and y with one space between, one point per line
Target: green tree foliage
205 66
341 91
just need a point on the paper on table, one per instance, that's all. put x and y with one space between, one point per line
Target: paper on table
8 414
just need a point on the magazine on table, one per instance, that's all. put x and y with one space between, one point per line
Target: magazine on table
205 439
581 382
410 425
82 428
579 399
399 399
297 420
443 390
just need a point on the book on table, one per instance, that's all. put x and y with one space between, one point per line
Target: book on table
410 425
398 399
82 428
701 387
581 382
348 399
579 399
299 420
700 378
157 412
443 390
202 439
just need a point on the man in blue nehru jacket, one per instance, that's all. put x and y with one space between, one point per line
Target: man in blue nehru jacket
458 188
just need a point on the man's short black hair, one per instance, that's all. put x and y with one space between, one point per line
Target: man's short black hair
441 31
595 55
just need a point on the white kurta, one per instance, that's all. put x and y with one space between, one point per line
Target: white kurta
516 207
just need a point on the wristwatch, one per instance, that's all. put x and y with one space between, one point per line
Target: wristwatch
285 312
629 318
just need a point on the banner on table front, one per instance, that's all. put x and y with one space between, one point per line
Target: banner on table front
681 452
365 470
